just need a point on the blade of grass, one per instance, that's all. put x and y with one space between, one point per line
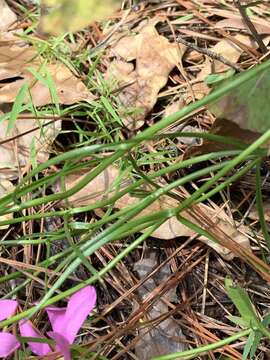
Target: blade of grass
259 203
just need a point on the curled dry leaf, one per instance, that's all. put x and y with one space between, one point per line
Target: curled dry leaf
7 16
102 188
228 50
15 154
154 59
15 62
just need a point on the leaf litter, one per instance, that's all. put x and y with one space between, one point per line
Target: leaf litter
21 65
198 296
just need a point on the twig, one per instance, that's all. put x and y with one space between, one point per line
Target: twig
250 26
209 53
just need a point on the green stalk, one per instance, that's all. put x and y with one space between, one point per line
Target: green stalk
118 195
94 278
202 349
146 134
259 203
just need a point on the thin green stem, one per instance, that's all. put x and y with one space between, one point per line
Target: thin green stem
259 203
194 352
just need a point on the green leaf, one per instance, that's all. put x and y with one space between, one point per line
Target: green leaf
248 345
17 107
241 300
248 107
45 78
258 336
70 16
238 321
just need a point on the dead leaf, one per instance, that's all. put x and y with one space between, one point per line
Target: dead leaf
172 228
96 190
154 59
228 50
237 23
102 188
222 127
7 16
16 153
15 62
6 187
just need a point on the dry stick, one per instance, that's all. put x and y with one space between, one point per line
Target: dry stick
250 26
209 53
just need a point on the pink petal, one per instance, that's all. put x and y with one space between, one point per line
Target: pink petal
7 308
27 330
79 306
8 344
62 344
56 316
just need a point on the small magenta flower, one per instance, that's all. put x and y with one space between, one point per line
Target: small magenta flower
8 342
65 322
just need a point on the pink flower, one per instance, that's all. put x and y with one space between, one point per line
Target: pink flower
66 323
8 342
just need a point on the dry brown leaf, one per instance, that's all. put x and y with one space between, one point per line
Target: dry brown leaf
7 16
96 190
15 62
6 187
99 189
226 49
16 153
222 127
155 58
237 23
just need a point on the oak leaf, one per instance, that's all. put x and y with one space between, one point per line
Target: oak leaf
154 58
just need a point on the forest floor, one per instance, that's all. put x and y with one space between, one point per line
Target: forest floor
125 170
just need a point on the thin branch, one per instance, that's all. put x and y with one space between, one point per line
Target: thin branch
250 26
209 53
